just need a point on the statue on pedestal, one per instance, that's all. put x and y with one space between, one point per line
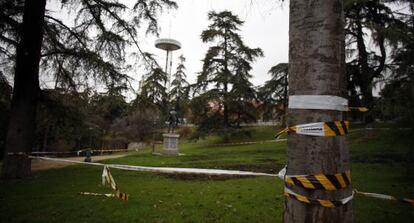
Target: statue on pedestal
172 121
171 139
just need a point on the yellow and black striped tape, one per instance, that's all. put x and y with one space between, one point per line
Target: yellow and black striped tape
335 128
320 181
111 181
322 202
122 196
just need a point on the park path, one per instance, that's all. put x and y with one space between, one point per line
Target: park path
38 164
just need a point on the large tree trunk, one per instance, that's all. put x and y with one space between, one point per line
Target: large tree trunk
20 135
316 67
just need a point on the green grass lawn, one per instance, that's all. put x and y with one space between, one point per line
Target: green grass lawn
382 164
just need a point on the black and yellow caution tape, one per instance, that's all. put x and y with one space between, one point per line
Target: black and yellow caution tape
358 109
122 196
336 128
320 181
322 202
385 197
108 178
328 182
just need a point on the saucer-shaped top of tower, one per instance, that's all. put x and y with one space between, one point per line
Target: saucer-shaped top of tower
167 44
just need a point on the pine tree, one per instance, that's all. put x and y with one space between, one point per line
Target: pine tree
180 88
274 91
226 65
397 97
367 64
154 92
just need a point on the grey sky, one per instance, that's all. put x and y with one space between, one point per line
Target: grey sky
266 26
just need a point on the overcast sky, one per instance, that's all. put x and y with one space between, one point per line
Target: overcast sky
266 26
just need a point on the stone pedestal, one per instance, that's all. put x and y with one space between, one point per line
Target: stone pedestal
170 144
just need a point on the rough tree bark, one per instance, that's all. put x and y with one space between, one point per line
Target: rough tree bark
21 130
316 67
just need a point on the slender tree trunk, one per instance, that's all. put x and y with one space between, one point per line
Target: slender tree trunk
225 97
368 101
20 135
316 67
45 138
366 73
225 107
285 100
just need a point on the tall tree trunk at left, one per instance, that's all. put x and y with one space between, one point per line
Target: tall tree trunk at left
21 130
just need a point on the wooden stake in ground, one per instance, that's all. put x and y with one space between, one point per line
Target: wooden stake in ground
316 67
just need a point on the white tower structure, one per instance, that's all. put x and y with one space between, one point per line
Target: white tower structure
168 45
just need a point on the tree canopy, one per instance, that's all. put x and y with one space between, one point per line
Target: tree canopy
274 92
224 79
89 48
179 93
92 49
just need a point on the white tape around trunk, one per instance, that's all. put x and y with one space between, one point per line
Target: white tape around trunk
323 102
